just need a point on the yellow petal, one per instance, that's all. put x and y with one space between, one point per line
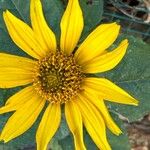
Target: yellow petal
99 40
93 122
7 60
45 36
48 126
71 26
18 99
99 103
13 77
15 70
107 61
23 118
74 120
22 35
109 91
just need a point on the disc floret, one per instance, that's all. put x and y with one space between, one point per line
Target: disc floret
58 78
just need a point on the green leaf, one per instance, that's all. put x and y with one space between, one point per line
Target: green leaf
54 145
5 4
63 130
53 11
92 13
133 75
22 7
8 46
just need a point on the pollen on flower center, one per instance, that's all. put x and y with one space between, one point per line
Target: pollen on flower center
58 78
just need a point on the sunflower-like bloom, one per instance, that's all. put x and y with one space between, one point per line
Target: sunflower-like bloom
57 74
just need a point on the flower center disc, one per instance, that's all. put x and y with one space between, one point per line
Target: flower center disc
58 78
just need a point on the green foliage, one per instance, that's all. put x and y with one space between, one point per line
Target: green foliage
132 74
92 14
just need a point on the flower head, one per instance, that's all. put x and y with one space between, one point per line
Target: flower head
57 73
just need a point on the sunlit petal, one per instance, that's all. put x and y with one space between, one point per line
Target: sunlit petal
74 120
13 77
44 35
71 27
98 41
13 61
18 99
23 118
99 104
48 126
22 35
93 122
106 61
109 91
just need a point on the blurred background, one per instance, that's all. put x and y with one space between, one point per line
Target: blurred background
134 17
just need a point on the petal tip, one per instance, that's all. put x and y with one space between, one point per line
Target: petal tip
116 24
7 12
125 41
1 138
119 132
4 14
135 102
4 140
115 27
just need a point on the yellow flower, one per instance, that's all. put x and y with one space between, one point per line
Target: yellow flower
57 74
